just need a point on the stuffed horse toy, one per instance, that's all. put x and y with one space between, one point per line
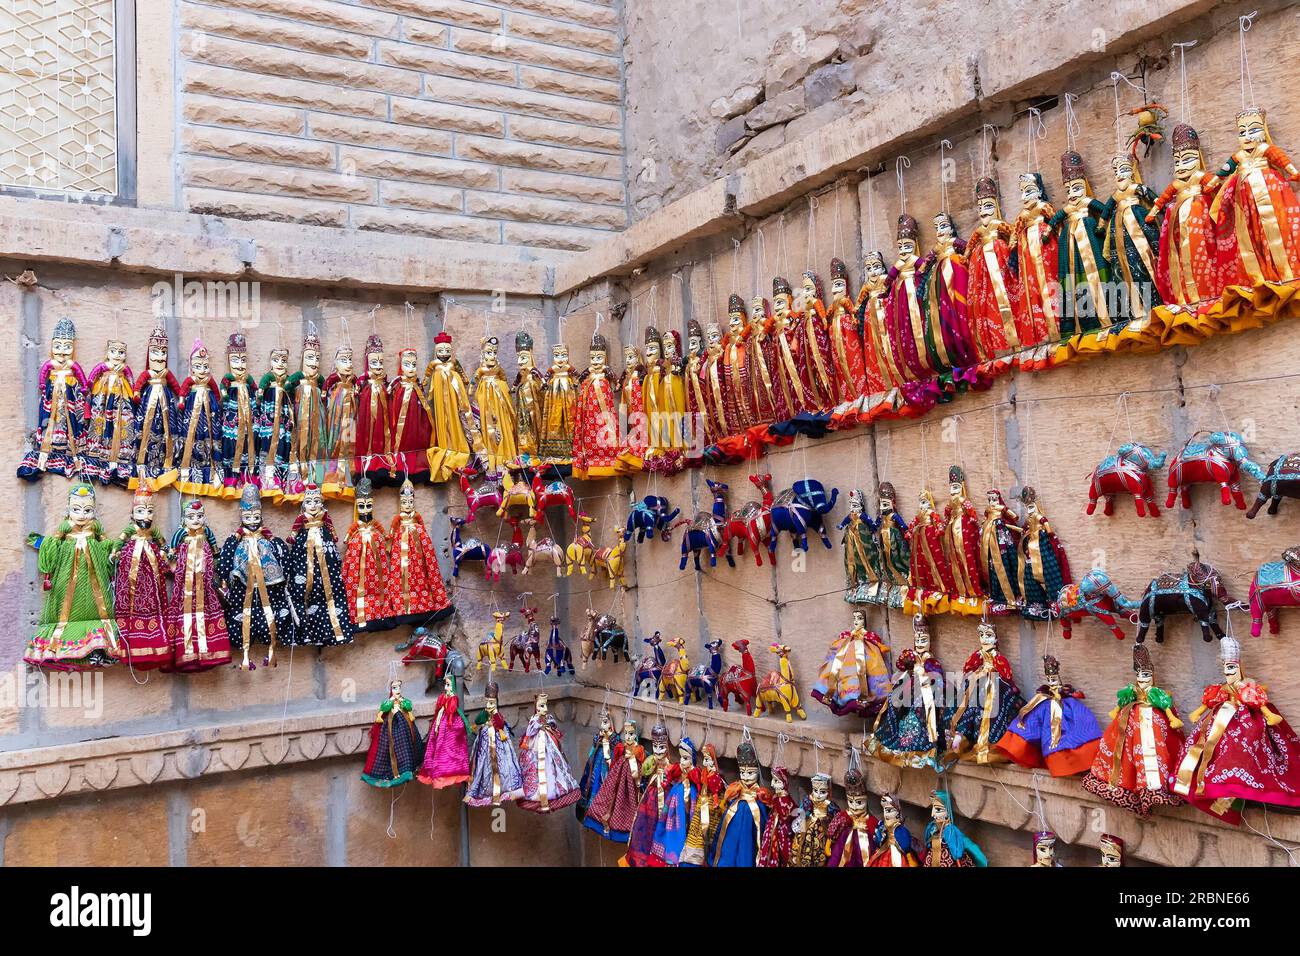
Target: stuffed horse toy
648 517
1126 472
466 549
1276 584
778 688
739 680
491 650
557 652
581 550
547 494
799 509
649 667
1282 480
702 681
1198 591
527 644
1097 595
486 495
672 678
1220 458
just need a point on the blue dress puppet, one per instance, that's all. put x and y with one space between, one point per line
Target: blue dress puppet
945 844
597 769
240 414
110 419
198 428
56 445
892 840
1055 729
911 729
679 806
892 549
155 417
990 700
274 426
1043 567
250 567
495 776
744 814
612 810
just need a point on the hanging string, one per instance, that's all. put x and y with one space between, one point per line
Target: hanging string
1072 127
782 253
1115 78
899 165
943 175
1036 129
873 233
735 265
817 756
837 241
984 147
406 324
1243 27
1180 49
813 253
760 247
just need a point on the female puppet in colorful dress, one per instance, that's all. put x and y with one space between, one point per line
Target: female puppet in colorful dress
446 753
944 289
1055 729
340 391
547 782
275 425
961 543
597 768
1132 244
815 340
743 814
993 304
155 413
395 744
811 840
930 581
1258 203
409 419
1044 569
315 569
722 412
706 810
792 372
196 623
240 415
873 311
495 777
892 839
672 405
762 395
1239 747
306 388
140 587
853 678
632 406
365 562
945 844
853 829
895 551
861 557
1136 758
496 409
699 426
990 700
612 810
455 428
853 377
413 588
911 729
528 397
559 408
1000 534
77 630
251 570
658 434
198 428
110 424
674 820
57 444
1035 266
595 431
374 451
1083 270
653 802
776 848
905 322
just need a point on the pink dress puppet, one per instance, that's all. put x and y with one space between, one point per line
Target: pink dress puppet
196 623
548 783
446 752
905 322
140 587
944 286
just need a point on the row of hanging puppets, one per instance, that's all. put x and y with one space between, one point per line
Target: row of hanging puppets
1212 253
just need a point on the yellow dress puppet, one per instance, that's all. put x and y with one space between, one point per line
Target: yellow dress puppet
496 410
560 408
455 433
529 401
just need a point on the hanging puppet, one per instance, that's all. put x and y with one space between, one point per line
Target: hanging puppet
595 431
548 785
57 444
1035 265
853 377
250 567
672 404
766 399
654 796
945 282
198 428
697 404
776 848
140 587
395 744
792 372
929 578
706 809
410 420
456 436
365 563
1132 244
861 556
1111 849
1000 535
945 843
374 448
811 843
559 408
742 814
1083 270
308 452
675 815
315 570
1137 754
961 543
155 412
495 776
993 303
632 407
1055 729
815 340
340 391
905 321
892 840
612 811
275 425
413 588
911 728
496 410
853 678
196 623
1044 852
110 425
719 398
873 311
1044 569
895 550
600 761
240 416
990 700
446 752
528 396
658 431
77 629
853 829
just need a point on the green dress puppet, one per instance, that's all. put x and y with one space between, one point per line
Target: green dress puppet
895 554
861 553
1132 244
1083 270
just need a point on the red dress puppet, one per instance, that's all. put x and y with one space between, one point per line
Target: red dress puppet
791 363
613 810
854 377
766 401
777 845
961 539
654 777
993 302
374 453
196 623
365 561
852 831
905 323
595 432
1035 266
413 589
815 340
139 588
930 579
410 420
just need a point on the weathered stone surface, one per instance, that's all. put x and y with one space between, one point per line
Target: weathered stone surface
555 211
418 196
781 109
557 32
761 144
216 111
281 32
569 84
790 67
426 224
425 31
389 165
426 821
592 14
219 81
559 185
827 83
295 64
257 147
347 129
520 101
275 180
215 202
740 100
261 819
530 156
552 237
530 51
342 15
463 119
480 16
129 830
566 134
731 134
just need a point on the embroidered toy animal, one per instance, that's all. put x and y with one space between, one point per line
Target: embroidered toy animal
1198 591
648 517
1219 458
1097 595
1282 480
1126 472
1276 584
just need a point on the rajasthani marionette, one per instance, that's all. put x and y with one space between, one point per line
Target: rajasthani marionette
990 700
764 397
945 283
455 428
811 843
306 387
658 432
1112 851
374 449
895 551
1083 270
196 623
1000 536
699 428
1044 849
1258 205
250 567
110 423
155 412
495 777
1055 729
815 340
854 679
945 844
275 425
776 848
1034 266
612 810
239 418
595 431
57 443
910 730
930 582
892 839
559 409
961 542
673 402
992 302
413 588
1136 758
365 563
873 311
496 409
77 630
1131 244
409 419
791 362
198 428
632 405
1044 569
720 410
599 762
853 829
905 324
340 391
706 809
853 377
529 403
395 744
1239 748
674 819
654 797
742 814
861 556
547 782
446 752
315 570
140 587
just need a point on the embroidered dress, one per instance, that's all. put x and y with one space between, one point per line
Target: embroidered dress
895 557
495 776
945 844
1258 204
239 421
704 817
1000 536
650 810
198 429
612 811
945 281
365 562
743 818
1044 569
527 396
153 427
374 448
632 409
994 306
873 312
961 544
851 836
57 445
894 846
455 429
446 753
413 588
395 745
1132 246
811 844
853 678
496 411
989 701
139 597
559 414
675 818
110 427
930 578
905 322
308 451
1138 753
862 563
855 376
258 608
196 622
274 431
595 432
1034 265
315 572
595 771
1055 729
911 729
1083 271
340 427
776 848
410 421
77 630
813 330
548 785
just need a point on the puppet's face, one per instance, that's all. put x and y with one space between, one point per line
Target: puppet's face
685 759
757 313
606 725
310 363
886 505
365 510
736 322
859 620
694 344
778 785
988 210
142 514
715 338
993 500
81 508
938 813
821 789
874 266
238 363
61 350
652 352
524 358
442 352
809 289
406 504
923 504
1076 190
313 503
857 804
1054 680
1110 857
343 363
560 355
448 683
1251 130
1044 853
906 248
630 358
395 689
1123 173
629 736
115 357
670 350
839 288
375 363
1031 510
1145 678
749 776
200 368
251 519
542 708
943 229
710 764
921 643
889 812
781 305
988 638
1186 162
660 750
955 489
195 518
596 361
1029 192
409 365
490 355
157 358
280 363
1231 670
